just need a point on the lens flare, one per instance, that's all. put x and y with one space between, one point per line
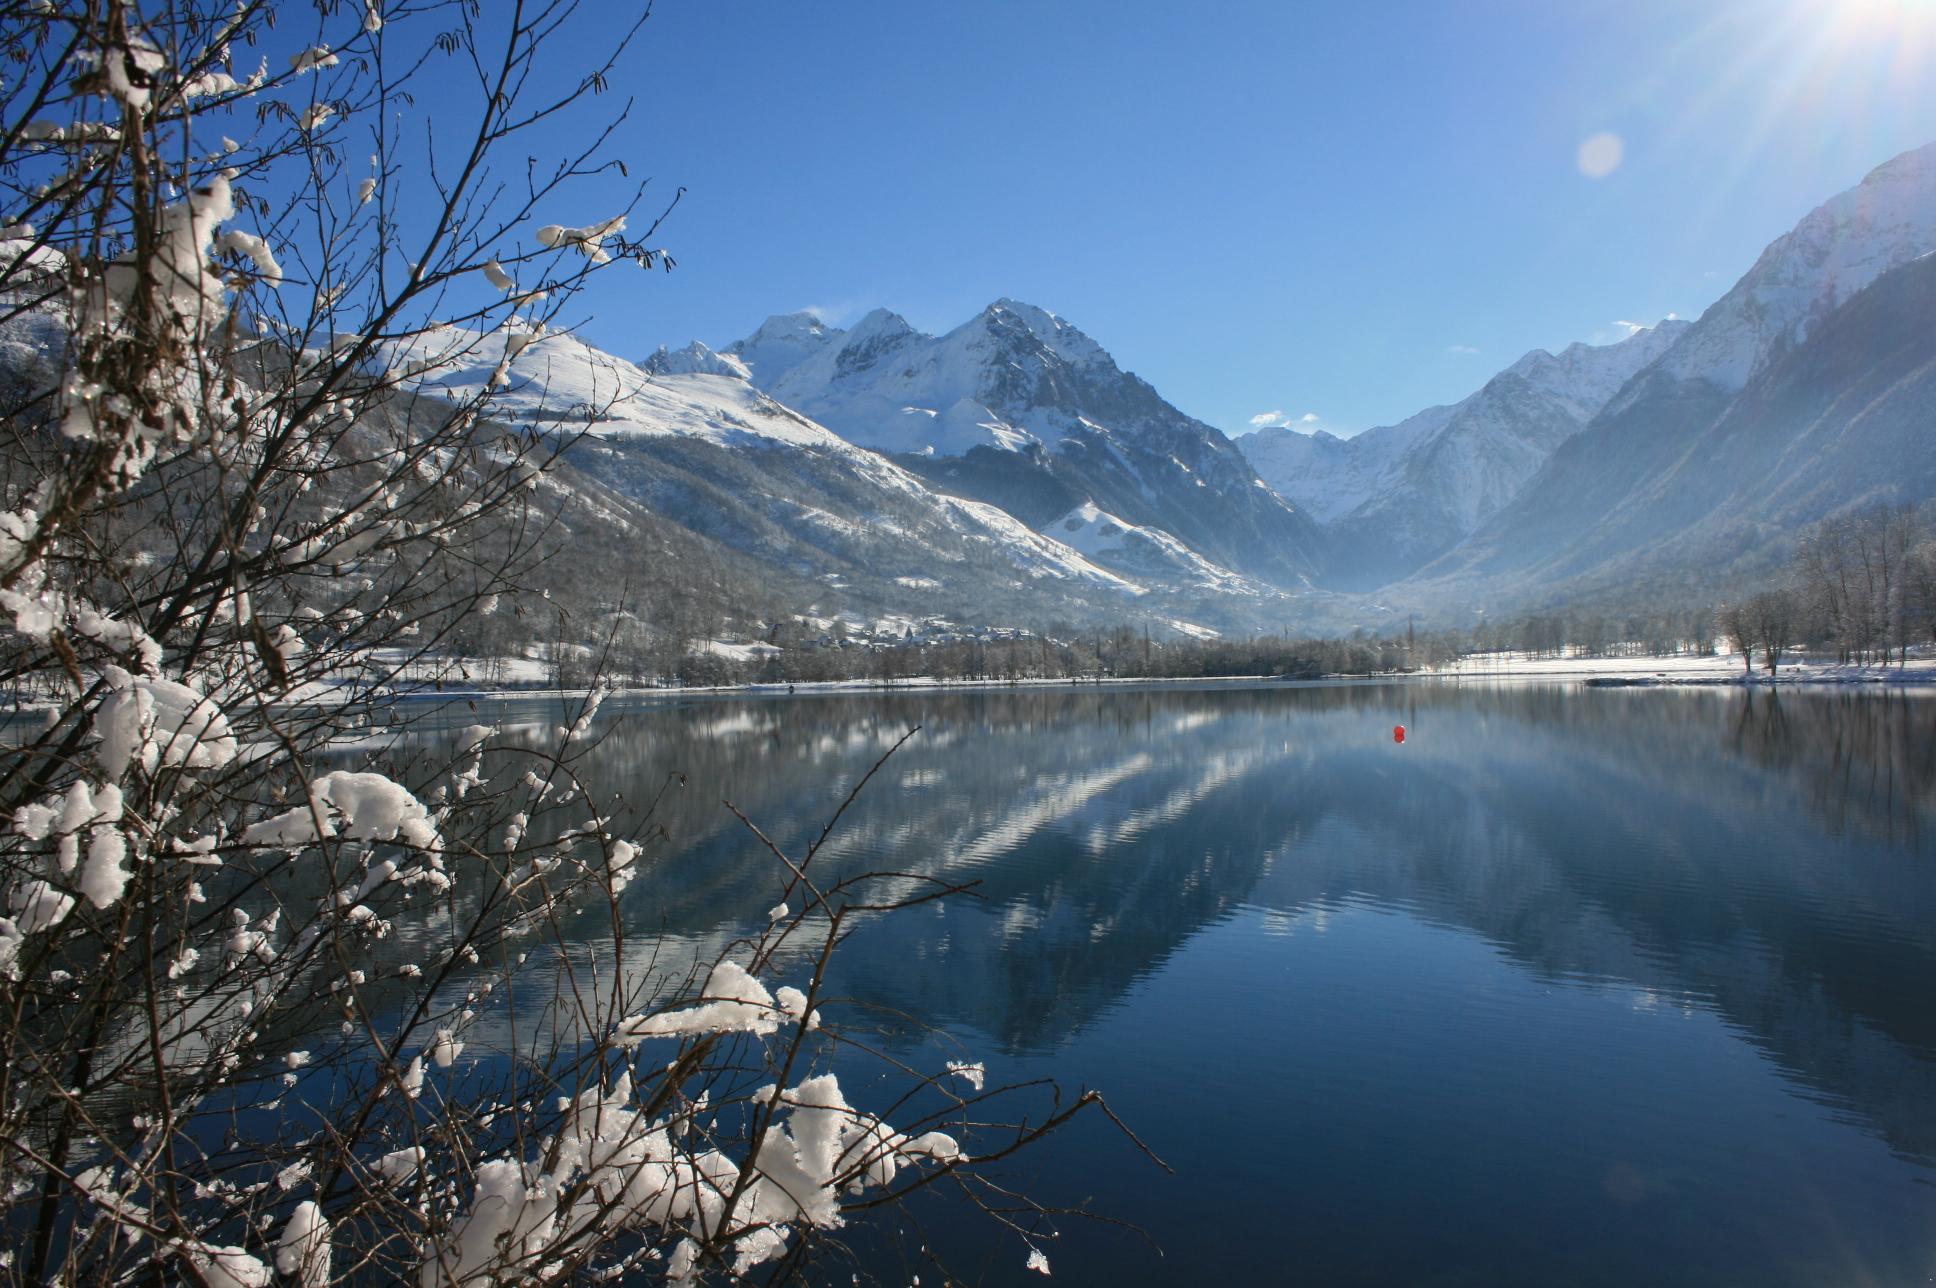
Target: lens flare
1600 155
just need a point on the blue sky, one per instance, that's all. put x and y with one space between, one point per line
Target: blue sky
1352 210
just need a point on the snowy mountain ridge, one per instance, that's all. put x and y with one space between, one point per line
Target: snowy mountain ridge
1804 391
1840 247
1020 408
782 342
885 385
1395 497
689 434
1586 377
558 382
694 360
1016 431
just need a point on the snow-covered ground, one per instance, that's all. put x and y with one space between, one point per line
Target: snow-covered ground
739 652
1684 669
525 678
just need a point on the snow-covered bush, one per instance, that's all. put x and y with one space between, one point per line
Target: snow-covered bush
286 994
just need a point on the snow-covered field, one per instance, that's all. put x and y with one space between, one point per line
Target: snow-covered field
1684 669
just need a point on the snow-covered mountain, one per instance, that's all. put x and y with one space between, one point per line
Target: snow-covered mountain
1327 476
1019 408
1010 470
556 381
1394 498
1840 247
782 343
689 436
1806 389
887 386
694 360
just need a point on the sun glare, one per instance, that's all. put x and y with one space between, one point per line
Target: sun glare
1870 20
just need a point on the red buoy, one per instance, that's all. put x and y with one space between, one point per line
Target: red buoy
1398 733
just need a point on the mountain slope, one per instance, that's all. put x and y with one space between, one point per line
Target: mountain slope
1150 555
1837 249
1839 420
1018 408
848 529
1793 396
1396 497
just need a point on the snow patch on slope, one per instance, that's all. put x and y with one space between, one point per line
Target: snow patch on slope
1034 553
1147 553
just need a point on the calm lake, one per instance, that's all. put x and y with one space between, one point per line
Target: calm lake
1574 986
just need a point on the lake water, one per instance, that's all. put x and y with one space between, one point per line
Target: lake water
1574 986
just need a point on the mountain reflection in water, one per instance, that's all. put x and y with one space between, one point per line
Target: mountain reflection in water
1262 864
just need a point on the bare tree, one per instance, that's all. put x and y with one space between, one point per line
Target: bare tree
1743 631
1773 616
1921 582
1824 572
1858 574
242 964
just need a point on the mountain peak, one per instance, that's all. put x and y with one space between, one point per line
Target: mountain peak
1014 317
1588 376
694 360
880 333
1034 313
793 325
782 343
1035 318
878 325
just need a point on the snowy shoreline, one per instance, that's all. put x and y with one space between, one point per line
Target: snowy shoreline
1685 670
1682 671
1635 672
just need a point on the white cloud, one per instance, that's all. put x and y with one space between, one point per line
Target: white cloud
1460 348
1631 328
1284 420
